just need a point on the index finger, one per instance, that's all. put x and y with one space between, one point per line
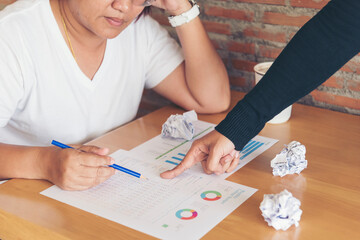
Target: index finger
185 164
94 160
92 149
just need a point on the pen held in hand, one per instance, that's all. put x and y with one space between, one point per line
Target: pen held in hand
126 170
115 166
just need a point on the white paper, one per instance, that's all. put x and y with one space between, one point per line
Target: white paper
186 207
290 160
281 210
191 115
167 153
180 126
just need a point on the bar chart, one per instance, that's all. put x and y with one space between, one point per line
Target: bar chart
249 148
176 159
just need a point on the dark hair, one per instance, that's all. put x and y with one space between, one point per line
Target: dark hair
144 12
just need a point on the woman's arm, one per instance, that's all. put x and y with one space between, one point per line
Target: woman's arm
69 169
201 81
318 50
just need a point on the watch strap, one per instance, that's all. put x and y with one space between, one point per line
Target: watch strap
185 17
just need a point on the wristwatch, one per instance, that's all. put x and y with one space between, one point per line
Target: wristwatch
185 17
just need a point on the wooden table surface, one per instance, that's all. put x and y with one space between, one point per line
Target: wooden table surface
329 189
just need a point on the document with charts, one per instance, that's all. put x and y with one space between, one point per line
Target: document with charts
166 153
186 207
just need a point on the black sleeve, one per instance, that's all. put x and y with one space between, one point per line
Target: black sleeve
322 46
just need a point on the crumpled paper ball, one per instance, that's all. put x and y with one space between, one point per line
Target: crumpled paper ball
281 210
290 160
180 126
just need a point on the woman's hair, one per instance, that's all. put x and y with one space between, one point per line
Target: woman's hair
144 12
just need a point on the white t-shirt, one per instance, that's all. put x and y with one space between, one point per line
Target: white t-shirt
43 93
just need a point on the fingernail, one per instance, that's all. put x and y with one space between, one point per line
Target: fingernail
228 160
112 161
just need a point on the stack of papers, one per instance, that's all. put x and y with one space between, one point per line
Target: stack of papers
186 207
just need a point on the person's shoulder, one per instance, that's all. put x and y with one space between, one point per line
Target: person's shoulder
17 9
19 19
18 22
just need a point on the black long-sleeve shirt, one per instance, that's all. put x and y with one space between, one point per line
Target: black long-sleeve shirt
322 46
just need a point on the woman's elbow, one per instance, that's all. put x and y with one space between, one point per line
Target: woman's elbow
216 105
223 104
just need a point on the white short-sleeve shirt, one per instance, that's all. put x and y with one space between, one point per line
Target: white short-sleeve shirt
43 93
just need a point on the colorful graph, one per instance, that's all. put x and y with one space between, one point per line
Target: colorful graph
175 160
179 214
207 195
249 148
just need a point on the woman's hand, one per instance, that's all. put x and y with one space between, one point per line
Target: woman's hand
173 7
78 169
216 153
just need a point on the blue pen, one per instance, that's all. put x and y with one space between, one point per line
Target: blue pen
115 166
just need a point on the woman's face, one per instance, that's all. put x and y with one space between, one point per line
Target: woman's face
104 18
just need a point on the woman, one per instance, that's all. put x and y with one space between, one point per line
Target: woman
72 70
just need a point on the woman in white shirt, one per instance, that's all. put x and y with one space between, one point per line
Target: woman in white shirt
71 70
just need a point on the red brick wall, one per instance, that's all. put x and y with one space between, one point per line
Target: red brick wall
246 32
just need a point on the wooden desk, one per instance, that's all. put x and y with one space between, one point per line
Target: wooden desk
329 189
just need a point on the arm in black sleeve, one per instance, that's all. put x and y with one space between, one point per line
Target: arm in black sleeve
317 51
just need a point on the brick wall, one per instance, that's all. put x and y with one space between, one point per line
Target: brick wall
246 32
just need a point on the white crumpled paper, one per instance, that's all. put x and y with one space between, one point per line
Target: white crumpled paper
290 160
180 126
281 210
